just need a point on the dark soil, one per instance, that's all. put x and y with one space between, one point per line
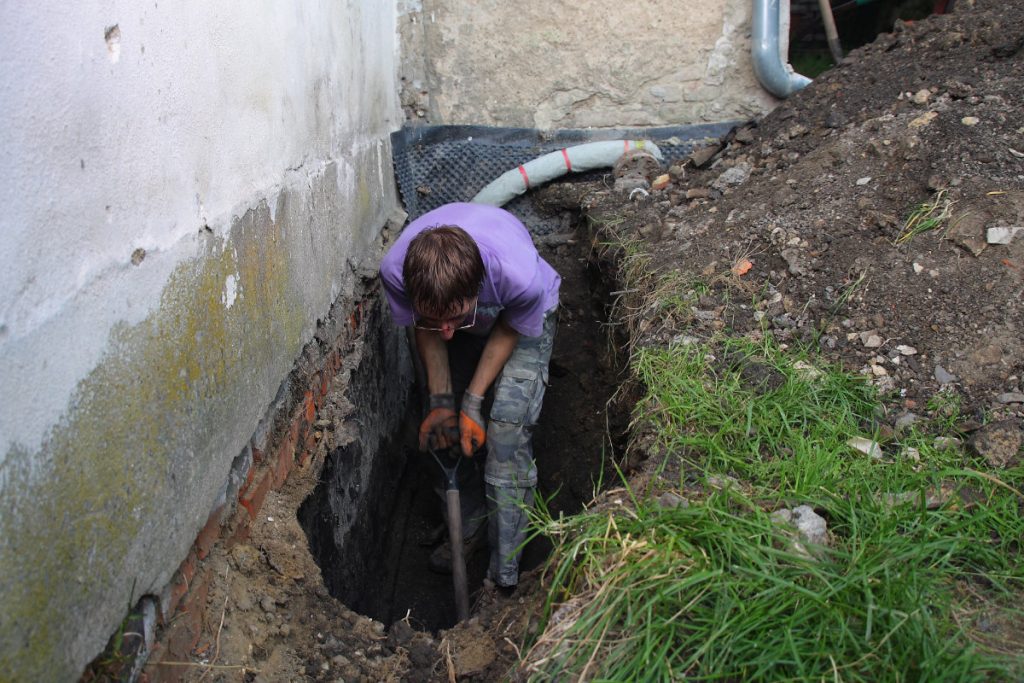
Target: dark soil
815 196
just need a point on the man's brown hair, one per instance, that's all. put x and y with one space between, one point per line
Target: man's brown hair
442 268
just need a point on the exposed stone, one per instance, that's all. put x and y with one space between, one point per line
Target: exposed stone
732 177
905 421
1002 235
871 339
702 156
866 446
921 96
670 500
631 183
795 260
637 162
811 527
943 376
1011 397
999 443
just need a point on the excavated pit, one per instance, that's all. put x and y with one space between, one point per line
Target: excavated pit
372 541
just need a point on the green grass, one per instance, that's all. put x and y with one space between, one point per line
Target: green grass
811 64
715 591
926 217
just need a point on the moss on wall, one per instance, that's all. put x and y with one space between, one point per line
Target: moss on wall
144 432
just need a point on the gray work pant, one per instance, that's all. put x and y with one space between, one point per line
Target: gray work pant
505 490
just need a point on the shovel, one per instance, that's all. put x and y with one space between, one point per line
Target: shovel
455 534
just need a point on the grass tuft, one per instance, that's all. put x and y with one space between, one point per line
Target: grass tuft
926 217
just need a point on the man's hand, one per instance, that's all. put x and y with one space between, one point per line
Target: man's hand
471 424
440 429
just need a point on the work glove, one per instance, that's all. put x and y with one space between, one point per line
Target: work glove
440 429
471 424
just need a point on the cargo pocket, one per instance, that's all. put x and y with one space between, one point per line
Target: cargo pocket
515 395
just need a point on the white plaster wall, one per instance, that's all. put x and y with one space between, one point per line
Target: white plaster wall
198 111
243 144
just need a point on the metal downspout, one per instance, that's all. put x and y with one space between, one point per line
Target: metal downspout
770 47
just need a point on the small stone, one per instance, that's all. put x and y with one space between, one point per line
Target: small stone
905 350
866 446
806 370
970 120
285 630
267 604
630 183
905 421
702 156
943 376
879 371
946 443
1011 397
1002 235
811 527
835 120
670 501
726 482
918 267
922 96
998 442
923 119
912 454
737 175
698 193
794 259
745 135
871 339
661 182
864 181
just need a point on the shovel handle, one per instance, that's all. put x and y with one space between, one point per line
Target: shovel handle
458 561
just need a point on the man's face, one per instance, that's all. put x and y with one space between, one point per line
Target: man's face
459 317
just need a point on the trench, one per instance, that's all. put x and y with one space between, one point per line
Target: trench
372 538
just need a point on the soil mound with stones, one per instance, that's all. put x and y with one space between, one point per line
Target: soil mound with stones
876 215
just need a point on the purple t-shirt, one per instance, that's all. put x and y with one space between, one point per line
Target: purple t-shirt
517 281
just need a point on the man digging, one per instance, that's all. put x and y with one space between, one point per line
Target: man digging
482 303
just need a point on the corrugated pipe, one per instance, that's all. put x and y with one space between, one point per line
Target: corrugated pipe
579 158
770 49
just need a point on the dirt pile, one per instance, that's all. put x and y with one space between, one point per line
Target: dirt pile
862 215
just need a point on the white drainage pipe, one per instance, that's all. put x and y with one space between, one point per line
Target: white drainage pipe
579 158
770 49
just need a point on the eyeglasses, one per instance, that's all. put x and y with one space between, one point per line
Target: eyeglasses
420 326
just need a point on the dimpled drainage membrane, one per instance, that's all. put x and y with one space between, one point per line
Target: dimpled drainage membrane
437 165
